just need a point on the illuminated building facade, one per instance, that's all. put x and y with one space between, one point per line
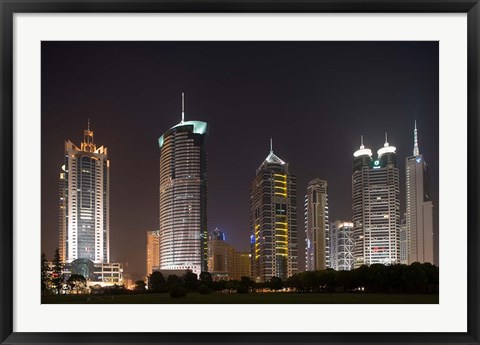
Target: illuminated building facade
183 197
84 202
419 208
273 221
241 267
317 237
224 262
153 250
341 239
102 274
217 235
376 206
403 242
220 256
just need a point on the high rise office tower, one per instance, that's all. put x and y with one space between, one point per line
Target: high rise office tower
183 196
317 236
153 250
341 239
376 206
273 220
84 202
419 210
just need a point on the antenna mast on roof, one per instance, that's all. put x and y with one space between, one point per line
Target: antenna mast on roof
183 107
416 151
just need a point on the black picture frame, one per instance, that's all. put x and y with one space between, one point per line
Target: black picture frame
8 8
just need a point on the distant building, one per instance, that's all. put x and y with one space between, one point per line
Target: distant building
419 210
103 274
84 183
376 206
273 221
153 250
224 262
241 267
220 256
341 240
403 242
317 239
183 197
217 235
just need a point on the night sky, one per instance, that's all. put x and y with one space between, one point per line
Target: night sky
314 99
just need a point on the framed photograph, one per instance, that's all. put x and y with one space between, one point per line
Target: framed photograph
225 172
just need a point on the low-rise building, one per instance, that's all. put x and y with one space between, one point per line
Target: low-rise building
224 262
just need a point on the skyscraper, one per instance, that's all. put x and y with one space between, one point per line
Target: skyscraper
183 196
317 249
273 220
341 247
153 250
84 202
419 210
376 206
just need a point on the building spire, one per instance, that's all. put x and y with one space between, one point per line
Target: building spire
416 151
362 150
183 107
386 140
271 145
88 143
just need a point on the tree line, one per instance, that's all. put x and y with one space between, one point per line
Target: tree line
376 278
204 284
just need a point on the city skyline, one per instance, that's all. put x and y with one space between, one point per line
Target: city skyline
227 216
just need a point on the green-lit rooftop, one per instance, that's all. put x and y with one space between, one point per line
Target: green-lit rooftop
199 127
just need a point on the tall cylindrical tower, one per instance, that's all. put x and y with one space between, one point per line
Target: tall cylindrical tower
183 197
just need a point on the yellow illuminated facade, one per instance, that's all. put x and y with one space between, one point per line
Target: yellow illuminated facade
257 241
273 219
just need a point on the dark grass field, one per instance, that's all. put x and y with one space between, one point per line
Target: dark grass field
260 298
